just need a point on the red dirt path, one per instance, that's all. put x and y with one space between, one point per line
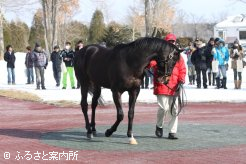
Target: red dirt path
22 123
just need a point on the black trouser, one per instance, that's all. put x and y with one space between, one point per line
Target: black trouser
204 77
145 82
57 75
239 74
209 77
78 84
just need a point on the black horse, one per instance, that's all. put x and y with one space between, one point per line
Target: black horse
120 69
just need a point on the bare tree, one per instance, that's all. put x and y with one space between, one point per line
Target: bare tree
56 12
147 14
49 16
163 14
195 22
158 15
19 6
136 22
66 10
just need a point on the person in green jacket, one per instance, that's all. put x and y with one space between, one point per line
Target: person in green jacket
68 58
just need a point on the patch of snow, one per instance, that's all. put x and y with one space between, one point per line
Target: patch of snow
53 93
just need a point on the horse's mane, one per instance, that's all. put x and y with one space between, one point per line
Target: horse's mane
144 43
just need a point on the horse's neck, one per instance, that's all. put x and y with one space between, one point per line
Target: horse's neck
149 54
141 59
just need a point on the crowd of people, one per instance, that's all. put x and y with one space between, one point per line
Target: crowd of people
207 64
37 60
211 61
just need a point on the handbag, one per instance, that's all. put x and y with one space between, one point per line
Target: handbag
63 67
239 65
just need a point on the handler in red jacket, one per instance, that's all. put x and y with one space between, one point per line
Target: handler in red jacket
165 94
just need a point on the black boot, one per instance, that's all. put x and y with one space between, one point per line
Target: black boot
217 83
224 83
190 80
209 78
194 79
158 132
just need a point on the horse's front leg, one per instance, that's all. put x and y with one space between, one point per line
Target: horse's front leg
120 114
133 94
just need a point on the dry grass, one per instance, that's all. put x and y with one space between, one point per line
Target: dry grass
64 103
26 96
20 95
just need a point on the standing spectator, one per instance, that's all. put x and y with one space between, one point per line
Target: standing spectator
200 60
222 56
145 81
210 56
29 65
40 60
191 68
68 57
78 47
236 53
165 95
56 60
9 57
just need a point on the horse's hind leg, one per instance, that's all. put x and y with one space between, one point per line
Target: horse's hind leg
84 106
96 95
120 114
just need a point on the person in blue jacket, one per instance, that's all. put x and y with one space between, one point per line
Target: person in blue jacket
221 54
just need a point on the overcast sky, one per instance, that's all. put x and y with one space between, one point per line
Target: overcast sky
119 9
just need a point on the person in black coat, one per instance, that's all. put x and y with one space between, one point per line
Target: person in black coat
210 56
199 59
9 57
29 65
56 60
78 47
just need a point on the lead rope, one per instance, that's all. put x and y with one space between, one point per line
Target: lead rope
180 94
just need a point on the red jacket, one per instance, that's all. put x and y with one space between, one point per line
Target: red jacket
178 75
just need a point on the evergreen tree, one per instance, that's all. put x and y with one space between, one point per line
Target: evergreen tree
116 34
97 27
6 33
37 30
16 34
19 35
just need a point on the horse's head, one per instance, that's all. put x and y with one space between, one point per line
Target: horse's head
166 60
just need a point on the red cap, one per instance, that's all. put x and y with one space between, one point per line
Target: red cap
170 37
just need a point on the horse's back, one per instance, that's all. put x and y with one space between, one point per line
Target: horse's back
96 61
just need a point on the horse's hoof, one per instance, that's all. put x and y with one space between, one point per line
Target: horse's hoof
89 135
94 132
108 133
133 141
